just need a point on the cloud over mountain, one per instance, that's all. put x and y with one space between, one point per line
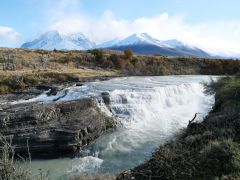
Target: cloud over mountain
198 23
209 35
7 33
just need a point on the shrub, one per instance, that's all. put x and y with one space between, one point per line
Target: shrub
8 168
117 61
220 158
128 53
98 53
69 58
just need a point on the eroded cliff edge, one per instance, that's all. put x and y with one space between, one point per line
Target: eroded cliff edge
55 129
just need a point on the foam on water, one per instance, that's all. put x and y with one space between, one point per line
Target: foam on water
151 110
87 164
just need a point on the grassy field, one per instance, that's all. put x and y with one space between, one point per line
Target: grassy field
20 68
11 81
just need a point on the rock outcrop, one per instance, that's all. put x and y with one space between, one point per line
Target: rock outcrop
53 130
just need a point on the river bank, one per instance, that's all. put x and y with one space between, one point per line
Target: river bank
53 130
150 110
59 112
207 150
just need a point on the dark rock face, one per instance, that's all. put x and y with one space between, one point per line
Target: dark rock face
53 130
106 98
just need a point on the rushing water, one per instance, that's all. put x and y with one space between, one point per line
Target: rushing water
151 109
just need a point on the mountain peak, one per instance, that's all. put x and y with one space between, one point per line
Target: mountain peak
54 40
51 35
141 43
144 43
142 35
138 38
52 32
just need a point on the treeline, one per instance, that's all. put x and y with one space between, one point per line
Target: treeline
159 65
126 61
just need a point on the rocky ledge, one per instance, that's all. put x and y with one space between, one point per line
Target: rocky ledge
53 130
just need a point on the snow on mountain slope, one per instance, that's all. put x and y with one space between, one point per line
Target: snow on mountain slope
54 40
108 43
144 39
143 43
135 39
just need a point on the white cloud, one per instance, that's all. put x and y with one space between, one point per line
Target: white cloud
68 18
7 33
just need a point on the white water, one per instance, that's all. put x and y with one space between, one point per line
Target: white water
151 110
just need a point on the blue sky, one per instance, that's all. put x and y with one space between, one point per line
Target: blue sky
213 24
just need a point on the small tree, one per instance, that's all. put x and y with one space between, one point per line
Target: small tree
69 58
128 53
98 53
117 61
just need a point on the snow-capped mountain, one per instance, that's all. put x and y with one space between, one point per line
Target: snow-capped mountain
143 43
173 43
142 39
135 39
221 53
55 40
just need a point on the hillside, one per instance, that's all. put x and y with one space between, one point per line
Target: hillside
20 68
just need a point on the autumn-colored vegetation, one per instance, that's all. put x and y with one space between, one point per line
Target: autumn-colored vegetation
40 66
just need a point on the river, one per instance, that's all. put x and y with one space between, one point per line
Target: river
151 111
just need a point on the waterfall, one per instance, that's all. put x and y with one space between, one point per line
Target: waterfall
150 111
149 117
160 105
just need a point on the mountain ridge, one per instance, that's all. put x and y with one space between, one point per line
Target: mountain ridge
54 40
141 43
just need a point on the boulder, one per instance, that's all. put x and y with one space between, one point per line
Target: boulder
106 98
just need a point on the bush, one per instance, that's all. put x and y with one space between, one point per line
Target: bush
98 53
117 61
69 58
220 158
128 53
8 168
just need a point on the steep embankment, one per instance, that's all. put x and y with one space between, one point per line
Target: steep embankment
207 150
53 130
